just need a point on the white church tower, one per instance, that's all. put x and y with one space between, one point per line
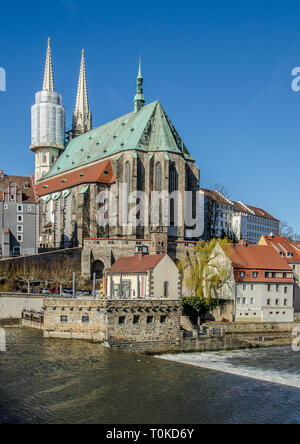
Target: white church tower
48 121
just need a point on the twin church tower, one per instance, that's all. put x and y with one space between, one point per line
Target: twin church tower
48 118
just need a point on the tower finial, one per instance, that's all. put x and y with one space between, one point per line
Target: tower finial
140 68
48 83
82 119
139 99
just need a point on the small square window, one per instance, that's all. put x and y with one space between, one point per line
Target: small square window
20 228
20 208
254 274
242 274
20 218
136 319
122 320
85 319
149 319
20 237
29 208
64 319
163 319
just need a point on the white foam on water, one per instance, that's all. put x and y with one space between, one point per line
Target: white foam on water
219 361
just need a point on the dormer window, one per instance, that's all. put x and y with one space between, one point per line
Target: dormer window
289 254
12 191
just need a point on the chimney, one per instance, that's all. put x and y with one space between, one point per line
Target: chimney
1 174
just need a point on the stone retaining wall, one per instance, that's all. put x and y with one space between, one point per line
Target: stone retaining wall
12 304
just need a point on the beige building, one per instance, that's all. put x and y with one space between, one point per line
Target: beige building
260 283
291 252
144 276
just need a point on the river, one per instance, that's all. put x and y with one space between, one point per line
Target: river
61 381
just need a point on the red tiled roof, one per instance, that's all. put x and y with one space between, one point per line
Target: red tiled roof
97 173
257 257
22 183
240 207
139 263
282 245
215 195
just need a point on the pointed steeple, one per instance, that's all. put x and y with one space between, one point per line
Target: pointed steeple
139 99
82 118
48 83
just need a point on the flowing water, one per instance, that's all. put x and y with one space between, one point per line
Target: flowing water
61 381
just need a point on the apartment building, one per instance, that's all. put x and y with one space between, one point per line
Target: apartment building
18 216
291 252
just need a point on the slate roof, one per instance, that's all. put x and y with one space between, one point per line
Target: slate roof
148 130
139 263
97 173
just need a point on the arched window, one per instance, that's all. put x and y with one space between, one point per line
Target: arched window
127 175
173 178
140 176
12 191
166 289
158 177
173 187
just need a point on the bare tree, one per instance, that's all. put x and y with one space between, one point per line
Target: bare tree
27 272
287 231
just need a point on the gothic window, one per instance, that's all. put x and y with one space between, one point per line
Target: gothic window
173 187
127 175
158 177
173 178
140 176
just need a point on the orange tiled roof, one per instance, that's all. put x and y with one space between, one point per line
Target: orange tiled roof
283 246
139 263
215 195
97 173
259 258
240 207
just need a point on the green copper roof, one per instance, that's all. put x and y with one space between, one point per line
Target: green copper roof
148 130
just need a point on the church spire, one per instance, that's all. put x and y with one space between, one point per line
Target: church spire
48 83
139 99
82 119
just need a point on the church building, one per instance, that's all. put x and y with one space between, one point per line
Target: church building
141 149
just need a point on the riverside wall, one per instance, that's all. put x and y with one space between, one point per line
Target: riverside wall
12 305
148 326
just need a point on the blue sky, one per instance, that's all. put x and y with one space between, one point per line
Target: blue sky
222 71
